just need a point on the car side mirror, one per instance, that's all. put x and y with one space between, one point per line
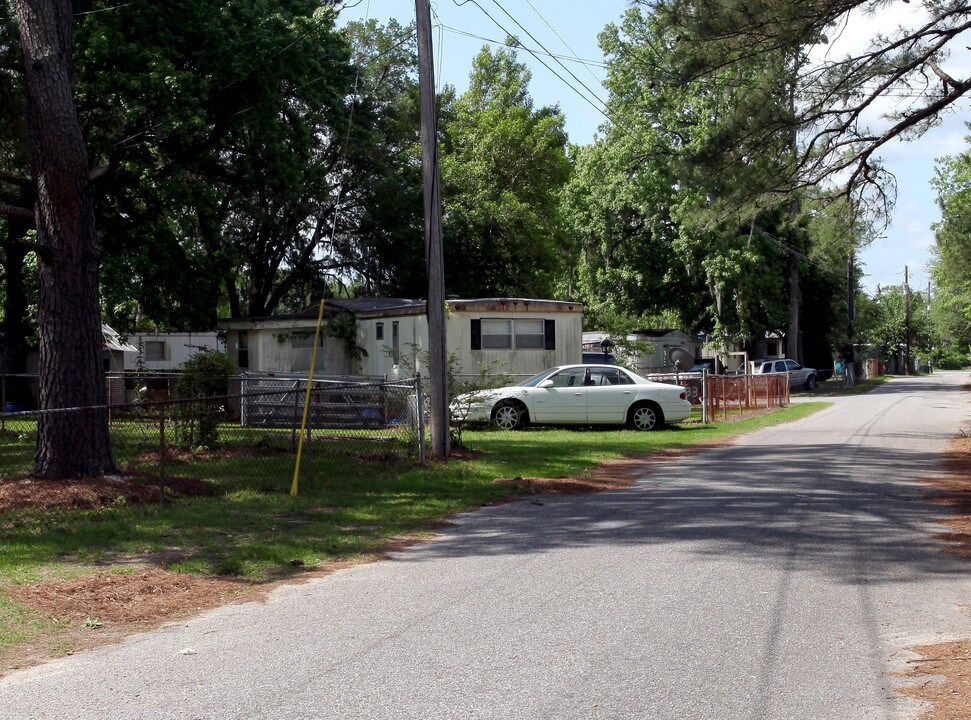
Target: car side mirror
546 384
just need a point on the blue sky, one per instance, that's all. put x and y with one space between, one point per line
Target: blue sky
569 30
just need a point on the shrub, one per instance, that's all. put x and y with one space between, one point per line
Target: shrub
205 377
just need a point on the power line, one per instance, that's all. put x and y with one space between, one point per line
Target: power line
599 109
493 41
535 40
560 38
109 9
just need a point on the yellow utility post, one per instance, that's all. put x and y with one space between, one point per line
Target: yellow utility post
306 401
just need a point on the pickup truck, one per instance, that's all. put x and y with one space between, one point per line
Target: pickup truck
799 376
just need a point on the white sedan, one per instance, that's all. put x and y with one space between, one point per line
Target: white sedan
577 395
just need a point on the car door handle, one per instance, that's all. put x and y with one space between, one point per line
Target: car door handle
578 394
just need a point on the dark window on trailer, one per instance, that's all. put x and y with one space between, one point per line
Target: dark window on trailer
154 350
509 334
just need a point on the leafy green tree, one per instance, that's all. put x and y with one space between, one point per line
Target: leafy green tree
626 259
886 324
219 181
657 201
380 219
503 164
213 133
951 265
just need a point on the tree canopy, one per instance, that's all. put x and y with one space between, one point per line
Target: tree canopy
951 266
503 164
838 92
654 202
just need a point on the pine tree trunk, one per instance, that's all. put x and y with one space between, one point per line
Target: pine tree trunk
74 443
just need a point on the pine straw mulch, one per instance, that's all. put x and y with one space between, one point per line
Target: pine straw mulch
946 669
103 608
95 492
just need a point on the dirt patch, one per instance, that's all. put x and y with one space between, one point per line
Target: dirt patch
104 608
137 597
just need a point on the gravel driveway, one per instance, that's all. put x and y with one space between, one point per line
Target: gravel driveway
782 577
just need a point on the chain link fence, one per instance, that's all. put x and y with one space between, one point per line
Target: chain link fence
728 396
246 441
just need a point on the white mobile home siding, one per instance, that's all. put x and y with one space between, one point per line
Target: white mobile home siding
412 345
175 349
567 321
271 348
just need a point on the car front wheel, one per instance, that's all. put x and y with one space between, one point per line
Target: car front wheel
509 415
645 417
810 383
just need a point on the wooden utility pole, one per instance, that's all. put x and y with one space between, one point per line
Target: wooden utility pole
435 305
906 321
850 297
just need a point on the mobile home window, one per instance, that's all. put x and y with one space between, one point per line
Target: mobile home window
395 343
496 334
379 331
154 350
521 334
529 334
302 350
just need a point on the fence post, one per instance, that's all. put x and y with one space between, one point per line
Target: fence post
243 399
296 415
421 419
704 396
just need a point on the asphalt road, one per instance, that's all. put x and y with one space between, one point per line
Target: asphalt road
782 577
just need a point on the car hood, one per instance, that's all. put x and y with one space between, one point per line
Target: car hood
477 397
